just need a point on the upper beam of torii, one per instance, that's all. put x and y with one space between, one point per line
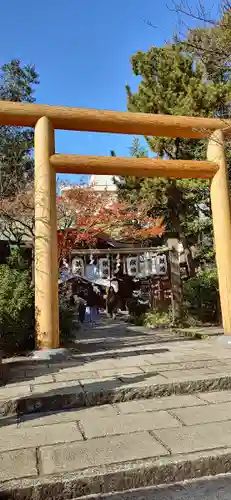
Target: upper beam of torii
45 119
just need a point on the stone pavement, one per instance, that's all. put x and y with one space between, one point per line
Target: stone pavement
133 411
116 447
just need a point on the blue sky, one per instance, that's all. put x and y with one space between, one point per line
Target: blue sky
81 50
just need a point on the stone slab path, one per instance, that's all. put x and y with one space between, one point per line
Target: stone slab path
98 372
167 417
118 446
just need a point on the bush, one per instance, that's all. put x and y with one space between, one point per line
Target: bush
201 296
137 308
67 320
16 310
152 318
157 318
136 320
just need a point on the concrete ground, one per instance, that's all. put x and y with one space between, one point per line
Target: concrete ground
132 408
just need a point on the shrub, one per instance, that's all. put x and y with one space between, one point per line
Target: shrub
157 318
201 296
67 320
152 318
16 310
17 313
137 308
20 258
136 320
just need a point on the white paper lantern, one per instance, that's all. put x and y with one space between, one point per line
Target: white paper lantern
104 268
161 264
77 266
132 266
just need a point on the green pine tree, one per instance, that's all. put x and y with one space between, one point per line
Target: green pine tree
17 84
212 44
174 82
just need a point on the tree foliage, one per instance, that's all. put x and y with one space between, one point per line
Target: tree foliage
201 295
174 82
211 40
82 215
16 306
17 83
17 217
91 214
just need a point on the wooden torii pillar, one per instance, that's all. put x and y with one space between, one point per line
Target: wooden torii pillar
220 202
45 119
46 259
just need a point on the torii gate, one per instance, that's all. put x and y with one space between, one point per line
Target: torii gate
45 119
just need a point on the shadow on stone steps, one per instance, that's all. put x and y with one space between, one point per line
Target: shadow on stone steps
106 392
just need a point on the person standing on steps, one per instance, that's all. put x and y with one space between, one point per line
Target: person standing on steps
92 306
82 307
111 302
80 302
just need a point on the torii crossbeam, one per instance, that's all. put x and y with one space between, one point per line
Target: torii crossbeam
45 119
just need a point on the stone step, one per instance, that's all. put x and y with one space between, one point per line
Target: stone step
208 488
17 400
115 448
129 480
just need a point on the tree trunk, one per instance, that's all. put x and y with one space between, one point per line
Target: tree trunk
187 251
188 256
176 286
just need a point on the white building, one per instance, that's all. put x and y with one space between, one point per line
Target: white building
103 183
97 182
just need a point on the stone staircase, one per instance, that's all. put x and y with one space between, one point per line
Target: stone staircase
114 419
